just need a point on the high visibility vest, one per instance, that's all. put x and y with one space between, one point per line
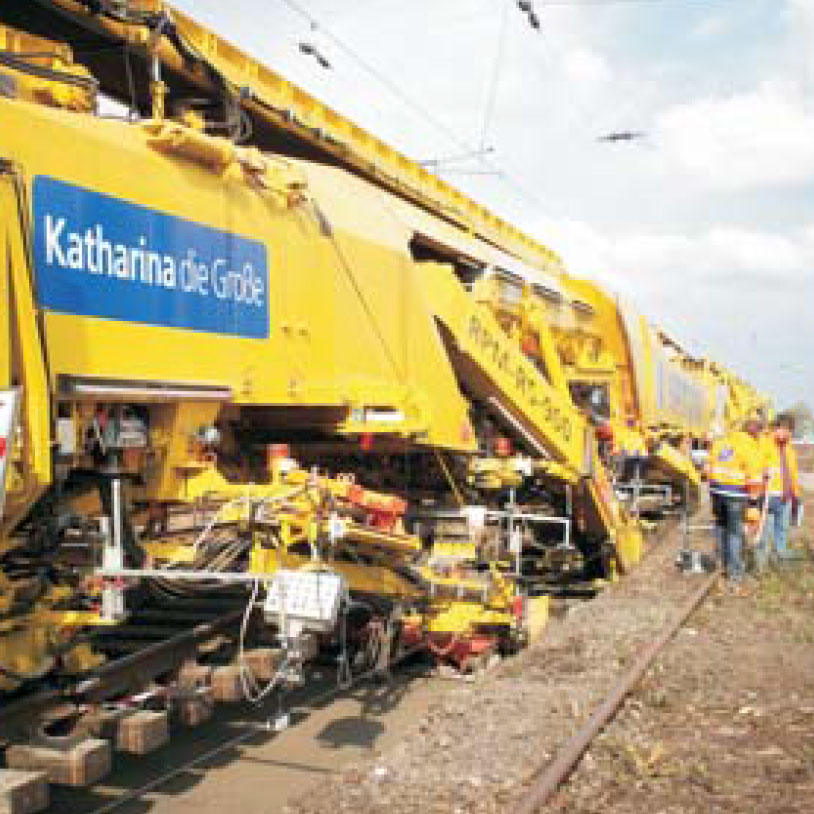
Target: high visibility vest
774 469
735 464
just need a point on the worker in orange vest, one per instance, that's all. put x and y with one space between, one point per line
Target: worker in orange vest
783 490
735 472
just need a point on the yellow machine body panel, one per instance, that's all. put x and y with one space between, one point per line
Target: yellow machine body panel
348 325
286 107
50 56
236 277
671 391
593 343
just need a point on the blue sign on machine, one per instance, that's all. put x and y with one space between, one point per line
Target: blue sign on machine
100 256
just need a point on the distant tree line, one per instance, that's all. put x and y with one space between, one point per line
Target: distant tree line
803 418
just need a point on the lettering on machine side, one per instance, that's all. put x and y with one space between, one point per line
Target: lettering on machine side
100 256
528 386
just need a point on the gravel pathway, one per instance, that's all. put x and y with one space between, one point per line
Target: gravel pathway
480 742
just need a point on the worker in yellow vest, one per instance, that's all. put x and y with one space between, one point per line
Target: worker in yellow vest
735 471
631 450
783 490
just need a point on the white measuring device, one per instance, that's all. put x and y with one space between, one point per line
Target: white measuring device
9 416
309 600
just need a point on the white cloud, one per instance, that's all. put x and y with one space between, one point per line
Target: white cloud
800 14
585 66
710 27
707 224
634 260
738 295
763 137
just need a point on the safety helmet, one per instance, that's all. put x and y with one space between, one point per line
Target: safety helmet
752 517
754 416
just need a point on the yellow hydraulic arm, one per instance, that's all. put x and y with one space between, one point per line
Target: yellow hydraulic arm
492 364
548 419
21 355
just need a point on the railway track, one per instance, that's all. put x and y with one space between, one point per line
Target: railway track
265 726
552 774
146 659
145 655
138 653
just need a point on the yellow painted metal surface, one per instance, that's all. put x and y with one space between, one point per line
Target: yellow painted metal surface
537 614
360 332
629 544
27 642
5 317
591 333
372 579
545 412
21 47
368 291
291 109
464 618
31 459
674 462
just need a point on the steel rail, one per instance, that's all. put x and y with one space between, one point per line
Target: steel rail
111 676
251 730
254 728
551 776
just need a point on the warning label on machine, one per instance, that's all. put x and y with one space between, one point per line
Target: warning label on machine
100 256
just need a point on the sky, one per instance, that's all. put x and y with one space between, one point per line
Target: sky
706 222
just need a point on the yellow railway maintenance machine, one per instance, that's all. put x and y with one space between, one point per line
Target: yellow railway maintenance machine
245 344
650 402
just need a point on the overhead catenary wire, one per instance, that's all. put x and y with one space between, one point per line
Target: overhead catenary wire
579 115
494 79
578 3
382 78
520 189
618 117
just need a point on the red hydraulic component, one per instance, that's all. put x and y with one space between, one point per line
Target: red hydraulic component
276 455
604 432
411 634
277 451
530 346
461 651
503 446
381 511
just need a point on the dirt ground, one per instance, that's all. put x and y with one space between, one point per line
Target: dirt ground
805 457
723 722
480 742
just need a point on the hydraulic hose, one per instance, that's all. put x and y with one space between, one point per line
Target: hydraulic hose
23 678
40 71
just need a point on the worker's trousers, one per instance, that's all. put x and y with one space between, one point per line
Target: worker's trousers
728 512
775 531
